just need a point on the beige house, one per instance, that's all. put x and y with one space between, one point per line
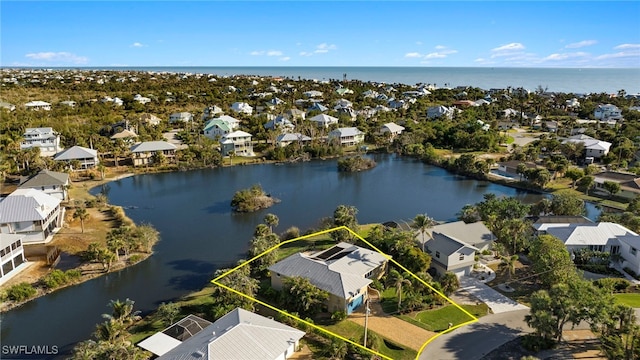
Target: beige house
344 271
347 136
143 153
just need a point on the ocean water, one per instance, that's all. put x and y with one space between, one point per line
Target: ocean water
568 80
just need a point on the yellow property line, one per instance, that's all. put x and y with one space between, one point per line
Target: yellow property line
283 312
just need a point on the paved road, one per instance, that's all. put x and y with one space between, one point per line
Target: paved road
474 341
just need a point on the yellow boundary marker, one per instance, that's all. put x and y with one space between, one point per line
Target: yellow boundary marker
283 312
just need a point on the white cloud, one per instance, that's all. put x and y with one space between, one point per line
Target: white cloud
435 55
627 46
418 42
621 54
324 48
479 60
580 44
58 57
305 53
137 45
508 47
274 53
564 56
413 55
256 53
266 53
285 58
440 47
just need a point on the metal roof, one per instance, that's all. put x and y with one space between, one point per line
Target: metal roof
587 234
76 152
148 146
8 239
27 205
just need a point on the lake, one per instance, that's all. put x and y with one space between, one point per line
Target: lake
199 232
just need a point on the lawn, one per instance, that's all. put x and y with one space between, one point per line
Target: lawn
353 331
439 319
320 242
631 299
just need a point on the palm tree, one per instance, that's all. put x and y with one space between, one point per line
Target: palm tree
508 264
449 282
122 311
271 220
398 280
421 223
82 214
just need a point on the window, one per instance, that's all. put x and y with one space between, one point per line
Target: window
461 257
633 251
438 254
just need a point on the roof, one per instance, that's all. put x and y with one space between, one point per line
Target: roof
40 130
349 131
236 134
473 234
339 270
152 146
559 219
217 123
449 245
393 127
162 342
241 335
124 134
292 137
588 234
325 119
27 205
589 142
37 103
8 239
46 178
76 152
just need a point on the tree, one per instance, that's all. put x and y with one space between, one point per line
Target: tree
586 183
508 265
449 282
122 311
271 220
567 203
168 312
612 187
421 223
551 261
82 214
344 215
574 174
398 280
302 296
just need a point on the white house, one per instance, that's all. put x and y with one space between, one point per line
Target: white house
238 142
286 139
31 213
441 111
214 129
449 254
7 106
150 119
394 130
88 158
347 136
629 182
593 147
44 138
11 255
240 334
210 112
242 107
323 120
38 105
50 182
141 99
344 271
607 112
143 153
281 124
68 103
180 117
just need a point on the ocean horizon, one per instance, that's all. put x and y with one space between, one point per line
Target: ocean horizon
567 80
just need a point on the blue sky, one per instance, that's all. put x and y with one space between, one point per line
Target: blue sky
320 33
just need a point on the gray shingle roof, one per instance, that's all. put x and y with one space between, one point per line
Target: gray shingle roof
448 245
46 178
473 234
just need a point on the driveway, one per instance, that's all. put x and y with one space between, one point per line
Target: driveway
474 341
497 302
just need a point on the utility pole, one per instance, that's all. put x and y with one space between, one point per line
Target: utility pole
366 320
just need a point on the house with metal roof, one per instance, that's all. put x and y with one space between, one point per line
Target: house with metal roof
143 153
38 105
449 254
394 130
441 111
347 136
44 138
344 271
50 182
593 147
240 334
31 213
323 120
238 142
184 117
88 158
242 107
286 139
11 256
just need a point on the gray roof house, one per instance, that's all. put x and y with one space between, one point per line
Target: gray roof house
44 138
142 153
435 112
286 139
238 335
593 147
88 157
344 271
449 254
180 117
475 234
392 129
50 182
32 213
347 136
324 120
238 142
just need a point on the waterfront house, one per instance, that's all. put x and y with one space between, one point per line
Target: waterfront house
593 147
629 183
31 213
240 334
286 139
394 130
214 129
143 153
88 158
11 256
347 136
510 168
44 138
238 142
323 120
475 234
184 117
50 182
344 271
449 254
38 105
242 107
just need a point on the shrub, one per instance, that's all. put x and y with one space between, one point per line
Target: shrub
55 279
73 274
535 343
291 233
21 292
135 258
613 284
338 315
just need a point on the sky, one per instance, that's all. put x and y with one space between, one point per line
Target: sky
575 34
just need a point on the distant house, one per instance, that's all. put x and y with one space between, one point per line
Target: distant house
185 117
210 112
240 334
344 271
593 147
238 142
475 234
287 139
31 213
510 168
38 105
394 130
215 129
449 254
141 99
441 111
143 153
295 114
11 256
280 123
629 182
68 103
323 120
150 119
128 136
607 111
317 107
88 158
347 136
242 107
7 106
50 182
312 93
44 138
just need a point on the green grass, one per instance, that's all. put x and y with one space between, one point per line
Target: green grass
317 243
389 300
510 140
631 299
439 319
